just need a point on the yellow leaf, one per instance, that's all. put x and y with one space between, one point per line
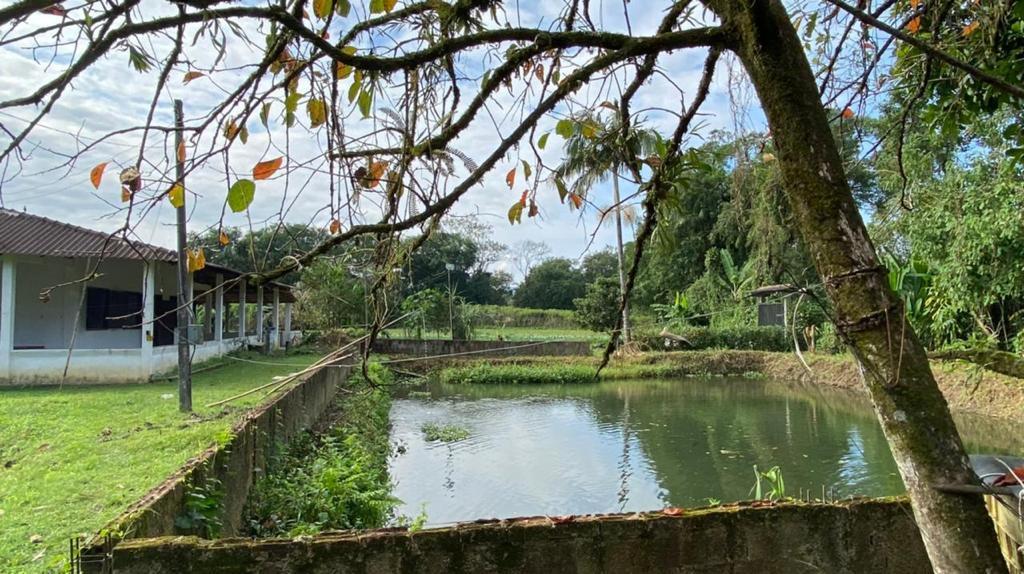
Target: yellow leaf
914 25
231 130
96 174
321 8
196 260
176 195
970 28
193 75
317 111
223 238
266 169
510 178
389 5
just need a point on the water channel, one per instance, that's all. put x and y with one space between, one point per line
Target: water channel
624 446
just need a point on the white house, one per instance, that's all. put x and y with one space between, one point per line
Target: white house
121 325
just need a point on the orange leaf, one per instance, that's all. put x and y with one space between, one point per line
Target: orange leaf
377 170
126 194
673 511
96 175
522 199
223 238
914 25
510 177
181 152
335 226
847 113
265 169
970 28
193 75
576 200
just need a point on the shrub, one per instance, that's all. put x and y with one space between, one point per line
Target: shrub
337 481
598 310
743 338
518 374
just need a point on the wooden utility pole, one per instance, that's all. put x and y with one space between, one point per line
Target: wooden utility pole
184 283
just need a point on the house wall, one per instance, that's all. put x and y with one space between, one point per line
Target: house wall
51 324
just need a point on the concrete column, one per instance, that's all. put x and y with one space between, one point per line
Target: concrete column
7 294
148 313
259 313
241 309
207 315
287 334
276 318
218 296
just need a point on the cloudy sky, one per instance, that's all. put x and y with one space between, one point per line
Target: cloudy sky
111 95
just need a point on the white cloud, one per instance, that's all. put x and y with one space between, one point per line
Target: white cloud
111 95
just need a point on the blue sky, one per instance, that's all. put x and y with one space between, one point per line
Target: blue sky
112 95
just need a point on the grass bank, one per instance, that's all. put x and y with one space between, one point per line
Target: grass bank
334 477
72 459
968 388
515 334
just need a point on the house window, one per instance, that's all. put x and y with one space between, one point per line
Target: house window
109 309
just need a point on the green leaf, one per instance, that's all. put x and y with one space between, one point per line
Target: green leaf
291 104
321 8
564 128
563 191
376 6
527 171
243 135
543 141
241 194
342 8
353 90
265 115
515 213
365 102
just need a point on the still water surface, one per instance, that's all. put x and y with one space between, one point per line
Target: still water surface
640 445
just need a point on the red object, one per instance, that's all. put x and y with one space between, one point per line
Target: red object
1014 478
673 511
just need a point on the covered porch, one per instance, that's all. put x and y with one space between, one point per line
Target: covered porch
121 325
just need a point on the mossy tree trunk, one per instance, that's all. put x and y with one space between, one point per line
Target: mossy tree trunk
956 530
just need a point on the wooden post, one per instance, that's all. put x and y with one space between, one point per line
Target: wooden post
218 326
184 280
259 313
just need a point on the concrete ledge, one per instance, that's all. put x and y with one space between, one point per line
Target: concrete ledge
435 347
230 469
867 536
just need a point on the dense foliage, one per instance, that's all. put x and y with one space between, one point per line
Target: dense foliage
335 481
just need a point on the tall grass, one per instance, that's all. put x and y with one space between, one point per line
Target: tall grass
504 316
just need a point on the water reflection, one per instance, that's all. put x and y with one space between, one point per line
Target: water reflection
640 445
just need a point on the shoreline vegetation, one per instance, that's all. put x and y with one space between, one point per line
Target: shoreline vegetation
967 387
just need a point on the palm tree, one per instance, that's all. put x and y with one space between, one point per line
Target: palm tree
600 148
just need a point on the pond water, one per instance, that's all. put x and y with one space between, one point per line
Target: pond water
625 446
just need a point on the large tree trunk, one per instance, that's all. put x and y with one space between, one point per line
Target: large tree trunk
956 530
621 255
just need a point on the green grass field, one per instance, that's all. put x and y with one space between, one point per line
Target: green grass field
72 459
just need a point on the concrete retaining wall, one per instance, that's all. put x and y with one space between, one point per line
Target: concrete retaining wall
861 537
229 470
435 347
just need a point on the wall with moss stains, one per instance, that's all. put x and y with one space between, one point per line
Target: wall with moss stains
870 536
227 471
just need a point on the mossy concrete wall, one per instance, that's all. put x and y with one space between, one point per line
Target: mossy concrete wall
438 347
228 470
871 536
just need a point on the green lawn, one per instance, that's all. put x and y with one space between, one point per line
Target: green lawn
73 459
517 334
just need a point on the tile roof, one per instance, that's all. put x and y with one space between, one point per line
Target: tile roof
23 233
